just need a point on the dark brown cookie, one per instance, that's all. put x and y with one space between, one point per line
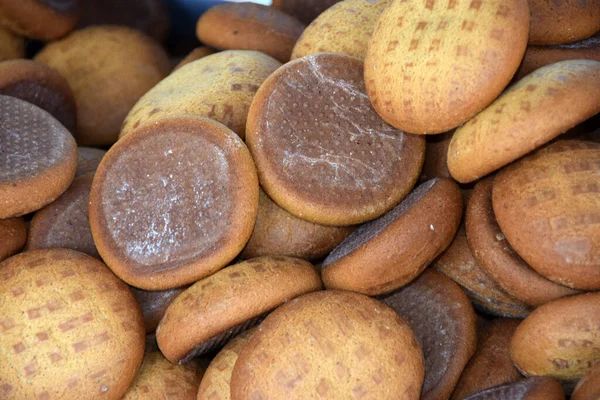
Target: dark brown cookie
154 304
305 10
536 388
13 234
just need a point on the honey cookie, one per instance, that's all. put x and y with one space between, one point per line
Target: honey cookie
220 86
38 158
535 388
588 387
11 46
563 21
444 322
250 26
154 304
40 85
304 10
345 28
126 64
389 252
88 159
532 112
321 151
13 234
70 328
194 55
547 207
39 19
173 202
277 232
432 65
214 309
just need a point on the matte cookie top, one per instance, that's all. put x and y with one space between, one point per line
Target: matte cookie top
321 150
433 64
173 202
563 21
39 19
38 157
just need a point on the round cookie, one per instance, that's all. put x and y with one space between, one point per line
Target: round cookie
588 387
389 252
222 305
39 19
159 379
194 55
13 234
70 328
459 264
88 159
345 27
547 207
125 65
277 232
173 202
64 223
38 158
154 304
220 86
444 322
563 21
330 344
560 339
11 45
432 65
532 112
250 26
216 382
305 10
536 388
491 364
321 151
498 258
40 85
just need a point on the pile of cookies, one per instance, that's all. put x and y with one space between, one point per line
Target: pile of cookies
357 199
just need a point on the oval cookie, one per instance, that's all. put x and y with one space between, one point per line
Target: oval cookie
588 387
563 21
39 19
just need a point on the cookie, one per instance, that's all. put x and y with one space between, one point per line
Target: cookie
126 64
443 320
38 158
495 254
491 364
459 264
88 159
547 207
432 65
194 55
532 112
70 328
330 344
249 26
39 19
563 21
321 151
536 388
11 46
220 306
345 28
588 387
216 382
277 232
220 86
173 202
40 85
559 339
13 234
64 223
154 304
304 10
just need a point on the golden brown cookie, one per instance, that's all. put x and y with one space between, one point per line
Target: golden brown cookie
194 55
532 112
11 46
444 322
536 388
173 202
588 387
250 26
547 205
154 304
305 10
560 339
321 151
563 21
13 234
70 328
330 344
459 264
277 232
220 86
222 305
39 19
491 364
432 65
216 382
125 65
65 223
345 27
495 254
38 158
159 379
88 159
